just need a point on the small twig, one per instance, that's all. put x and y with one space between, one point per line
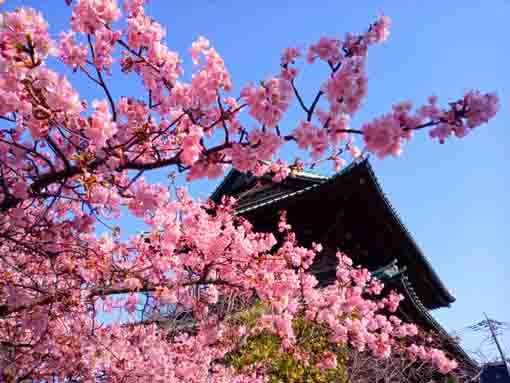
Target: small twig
314 104
298 96
101 81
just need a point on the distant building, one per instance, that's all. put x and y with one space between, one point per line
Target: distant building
349 211
494 373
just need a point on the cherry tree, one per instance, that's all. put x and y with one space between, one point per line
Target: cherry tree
237 305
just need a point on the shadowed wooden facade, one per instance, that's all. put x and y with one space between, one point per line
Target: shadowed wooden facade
348 211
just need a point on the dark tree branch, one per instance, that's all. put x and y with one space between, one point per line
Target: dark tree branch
101 81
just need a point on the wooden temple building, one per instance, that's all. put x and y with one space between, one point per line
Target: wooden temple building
349 211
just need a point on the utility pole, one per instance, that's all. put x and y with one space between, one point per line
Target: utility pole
501 353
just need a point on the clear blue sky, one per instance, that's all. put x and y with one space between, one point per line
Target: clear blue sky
453 198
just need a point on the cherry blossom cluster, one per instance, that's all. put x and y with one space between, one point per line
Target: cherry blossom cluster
436 357
72 54
91 15
472 111
187 247
385 135
268 101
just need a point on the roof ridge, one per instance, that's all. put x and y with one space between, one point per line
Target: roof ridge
306 174
297 192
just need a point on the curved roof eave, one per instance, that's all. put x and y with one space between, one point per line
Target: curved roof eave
219 190
411 294
437 281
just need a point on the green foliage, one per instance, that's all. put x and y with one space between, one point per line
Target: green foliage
451 379
249 316
312 341
257 349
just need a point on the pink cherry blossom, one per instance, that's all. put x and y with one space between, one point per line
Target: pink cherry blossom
347 87
90 15
289 55
104 43
70 52
383 136
101 127
380 30
197 48
326 49
142 31
27 27
268 101
328 361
